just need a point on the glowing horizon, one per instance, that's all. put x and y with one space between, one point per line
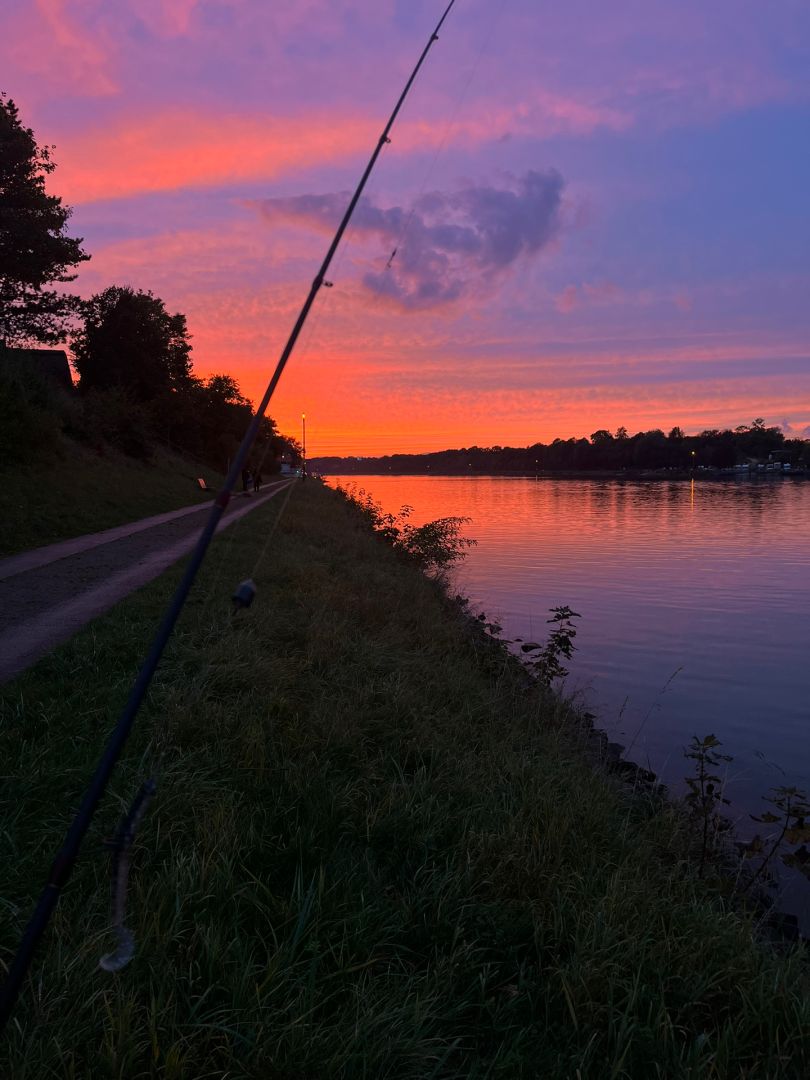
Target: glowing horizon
600 216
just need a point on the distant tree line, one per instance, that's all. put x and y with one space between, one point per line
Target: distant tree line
749 444
136 383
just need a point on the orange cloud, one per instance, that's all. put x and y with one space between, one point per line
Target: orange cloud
348 414
182 149
370 383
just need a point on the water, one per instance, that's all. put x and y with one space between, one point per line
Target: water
695 603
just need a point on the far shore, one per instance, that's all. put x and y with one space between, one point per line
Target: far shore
592 474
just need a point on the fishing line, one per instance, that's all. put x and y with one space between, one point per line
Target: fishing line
225 560
272 530
66 857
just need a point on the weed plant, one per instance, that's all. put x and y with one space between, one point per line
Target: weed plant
434 546
546 663
377 850
705 797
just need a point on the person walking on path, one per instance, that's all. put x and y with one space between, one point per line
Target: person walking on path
257 481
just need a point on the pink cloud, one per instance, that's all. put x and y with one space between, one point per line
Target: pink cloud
596 293
181 148
568 300
685 92
169 18
50 39
185 148
683 301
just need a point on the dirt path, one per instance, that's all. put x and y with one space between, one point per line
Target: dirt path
48 594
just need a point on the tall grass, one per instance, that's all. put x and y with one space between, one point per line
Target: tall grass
376 851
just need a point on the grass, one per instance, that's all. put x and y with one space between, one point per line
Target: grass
374 852
75 490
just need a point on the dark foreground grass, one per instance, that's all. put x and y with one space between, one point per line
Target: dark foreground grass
74 490
374 853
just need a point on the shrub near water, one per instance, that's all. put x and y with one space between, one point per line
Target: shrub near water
375 851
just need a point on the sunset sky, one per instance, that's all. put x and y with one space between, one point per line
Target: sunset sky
600 210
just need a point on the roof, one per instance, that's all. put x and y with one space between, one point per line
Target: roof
50 364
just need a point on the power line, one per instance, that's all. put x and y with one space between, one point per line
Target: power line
66 857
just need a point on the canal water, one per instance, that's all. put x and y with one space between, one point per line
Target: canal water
695 604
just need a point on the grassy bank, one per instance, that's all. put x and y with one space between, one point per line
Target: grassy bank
73 490
374 852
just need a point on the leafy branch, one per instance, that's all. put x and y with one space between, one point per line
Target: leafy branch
705 791
560 646
794 810
435 545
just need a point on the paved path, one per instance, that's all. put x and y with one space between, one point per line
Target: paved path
46 595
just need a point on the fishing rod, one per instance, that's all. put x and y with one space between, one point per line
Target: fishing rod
66 857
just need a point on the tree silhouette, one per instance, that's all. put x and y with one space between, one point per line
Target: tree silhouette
130 341
35 252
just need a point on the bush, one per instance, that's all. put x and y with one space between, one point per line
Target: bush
434 546
26 428
112 418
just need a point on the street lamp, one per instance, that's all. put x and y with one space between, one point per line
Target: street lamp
303 446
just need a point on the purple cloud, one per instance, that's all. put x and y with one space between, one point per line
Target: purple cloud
449 243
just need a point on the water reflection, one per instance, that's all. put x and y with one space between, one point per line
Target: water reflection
695 597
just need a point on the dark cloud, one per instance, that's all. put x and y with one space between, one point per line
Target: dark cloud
448 244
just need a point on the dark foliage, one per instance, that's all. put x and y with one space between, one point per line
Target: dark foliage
434 546
206 419
130 341
705 798
751 445
138 388
547 659
35 251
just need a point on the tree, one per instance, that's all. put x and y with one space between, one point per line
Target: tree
35 251
225 389
130 341
650 449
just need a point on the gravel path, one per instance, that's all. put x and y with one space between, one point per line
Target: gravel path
46 599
